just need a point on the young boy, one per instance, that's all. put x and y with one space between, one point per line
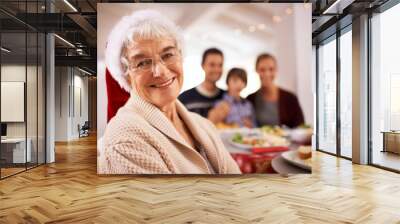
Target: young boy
232 109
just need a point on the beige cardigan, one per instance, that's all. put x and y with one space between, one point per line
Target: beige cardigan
141 140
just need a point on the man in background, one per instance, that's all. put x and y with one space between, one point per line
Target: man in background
202 98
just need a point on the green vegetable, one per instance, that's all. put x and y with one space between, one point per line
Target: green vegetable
238 138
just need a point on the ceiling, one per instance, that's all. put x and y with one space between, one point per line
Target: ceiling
76 22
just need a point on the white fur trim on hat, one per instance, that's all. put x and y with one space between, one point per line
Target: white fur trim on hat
116 40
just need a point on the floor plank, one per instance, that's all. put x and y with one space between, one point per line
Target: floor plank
69 191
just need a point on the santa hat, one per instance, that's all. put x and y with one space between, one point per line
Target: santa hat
116 96
120 33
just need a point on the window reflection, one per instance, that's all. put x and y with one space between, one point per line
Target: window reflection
346 94
385 84
327 97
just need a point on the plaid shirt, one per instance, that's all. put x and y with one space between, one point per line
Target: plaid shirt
239 110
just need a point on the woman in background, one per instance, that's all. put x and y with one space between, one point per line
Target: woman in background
274 105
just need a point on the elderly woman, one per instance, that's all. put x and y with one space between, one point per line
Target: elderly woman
153 133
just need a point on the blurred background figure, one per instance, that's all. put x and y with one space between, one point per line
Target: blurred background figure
201 98
274 105
233 109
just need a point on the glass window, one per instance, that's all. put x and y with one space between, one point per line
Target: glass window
327 97
22 92
385 87
15 151
346 94
41 79
31 96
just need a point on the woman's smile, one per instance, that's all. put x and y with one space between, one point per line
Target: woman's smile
163 84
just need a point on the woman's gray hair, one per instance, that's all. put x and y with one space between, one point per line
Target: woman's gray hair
149 24
143 24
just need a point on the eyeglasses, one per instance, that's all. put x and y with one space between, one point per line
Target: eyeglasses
145 65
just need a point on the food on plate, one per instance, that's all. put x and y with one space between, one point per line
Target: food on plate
264 140
249 140
275 140
274 130
222 125
304 152
238 138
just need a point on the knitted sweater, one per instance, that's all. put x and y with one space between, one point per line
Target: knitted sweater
140 139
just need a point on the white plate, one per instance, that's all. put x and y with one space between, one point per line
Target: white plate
293 158
248 132
240 146
278 141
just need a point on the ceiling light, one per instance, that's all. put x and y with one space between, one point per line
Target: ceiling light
261 26
70 5
84 71
238 31
276 19
64 40
289 11
5 50
252 29
337 7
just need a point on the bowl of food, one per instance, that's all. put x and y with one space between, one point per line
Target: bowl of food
248 140
256 139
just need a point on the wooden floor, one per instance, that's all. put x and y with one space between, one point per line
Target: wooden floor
387 159
10 171
69 191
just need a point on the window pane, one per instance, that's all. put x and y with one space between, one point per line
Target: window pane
346 94
327 97
31 97
386 89
14 153
41 98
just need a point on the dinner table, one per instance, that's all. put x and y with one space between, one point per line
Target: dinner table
274 162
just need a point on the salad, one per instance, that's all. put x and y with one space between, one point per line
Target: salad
273 130
264 140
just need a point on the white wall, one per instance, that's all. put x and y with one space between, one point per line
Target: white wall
101 98
17 73
67 115
304 70
33 126
62 81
